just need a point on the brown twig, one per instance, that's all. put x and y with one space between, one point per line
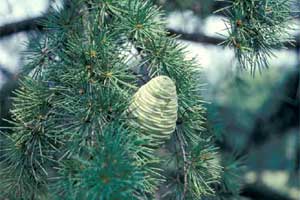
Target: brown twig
30 24
201 38
185 164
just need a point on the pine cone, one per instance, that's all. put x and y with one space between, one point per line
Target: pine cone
154 109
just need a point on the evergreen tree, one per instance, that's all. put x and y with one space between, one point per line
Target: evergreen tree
110 108
256 28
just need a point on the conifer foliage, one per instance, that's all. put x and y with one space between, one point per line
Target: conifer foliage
256 28
72 134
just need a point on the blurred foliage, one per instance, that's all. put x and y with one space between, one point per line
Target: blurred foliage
5 94
242 99
199 7
259 118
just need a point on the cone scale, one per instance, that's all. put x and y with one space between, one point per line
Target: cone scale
154 109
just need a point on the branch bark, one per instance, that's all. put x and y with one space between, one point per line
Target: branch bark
262 192
196 37
185 165
5 72
33 25
30 24
201 38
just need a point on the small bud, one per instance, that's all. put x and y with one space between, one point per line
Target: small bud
88 67
239 23
139 26
81 91
238 45
108 74
92 81
93 54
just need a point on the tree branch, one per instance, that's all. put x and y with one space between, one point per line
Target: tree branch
185 165
196 37
201 38
261 192
33 25
6 73
30 24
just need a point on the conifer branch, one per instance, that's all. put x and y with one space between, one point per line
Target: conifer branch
69 138
33 25
26 25
185 165
5 72
255 28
